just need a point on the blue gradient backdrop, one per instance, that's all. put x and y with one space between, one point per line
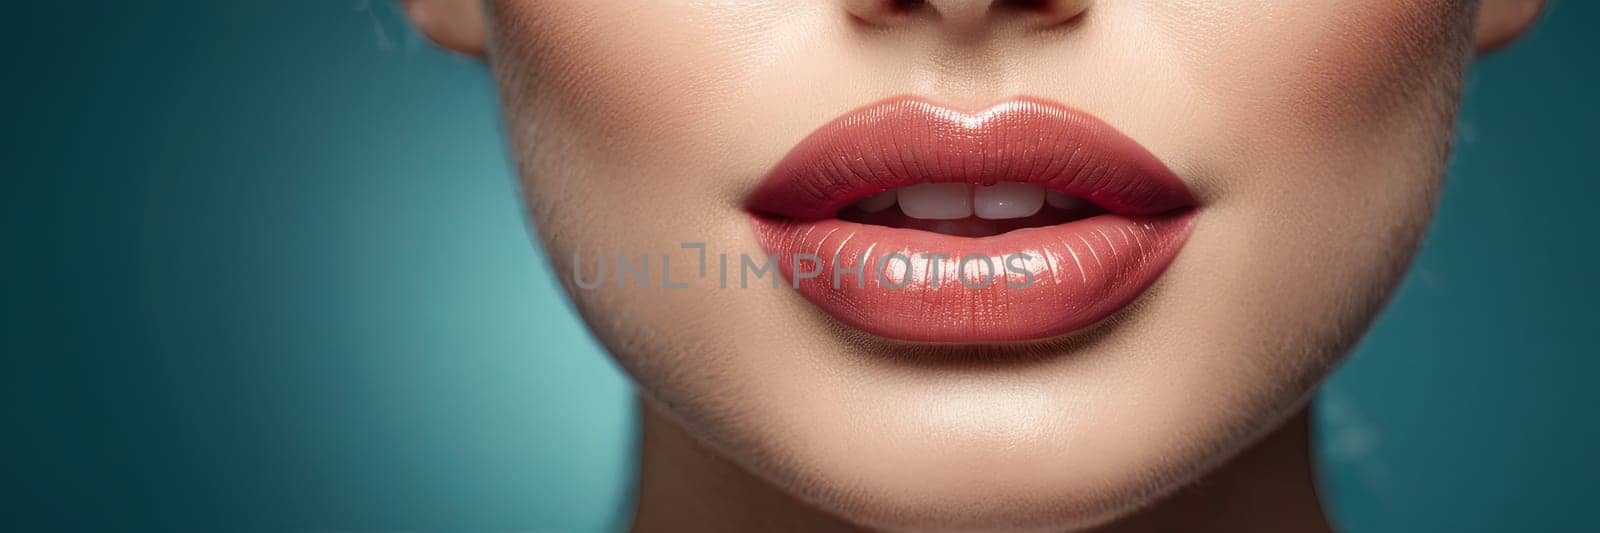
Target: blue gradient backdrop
269 271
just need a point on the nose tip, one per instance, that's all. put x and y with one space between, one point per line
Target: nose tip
967 15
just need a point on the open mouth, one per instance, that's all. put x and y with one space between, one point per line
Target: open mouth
965 210
917 222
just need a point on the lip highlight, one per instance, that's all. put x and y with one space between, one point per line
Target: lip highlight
1024 284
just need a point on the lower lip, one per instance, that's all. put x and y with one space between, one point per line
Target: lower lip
1028 284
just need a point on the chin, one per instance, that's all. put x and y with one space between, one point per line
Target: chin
961 491
981 457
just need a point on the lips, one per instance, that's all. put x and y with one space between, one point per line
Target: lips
1023 221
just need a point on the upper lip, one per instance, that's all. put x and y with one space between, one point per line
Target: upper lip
908 141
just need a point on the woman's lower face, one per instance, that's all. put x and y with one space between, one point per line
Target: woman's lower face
1301 144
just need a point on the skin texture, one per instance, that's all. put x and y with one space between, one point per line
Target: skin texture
1312 133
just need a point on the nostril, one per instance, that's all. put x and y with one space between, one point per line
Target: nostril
1046 12
882 12
906 5
966 14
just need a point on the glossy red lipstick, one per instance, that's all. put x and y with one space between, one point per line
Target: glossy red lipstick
916 285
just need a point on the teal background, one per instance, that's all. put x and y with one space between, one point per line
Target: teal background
268 271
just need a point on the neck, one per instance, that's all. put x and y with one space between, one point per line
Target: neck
683 486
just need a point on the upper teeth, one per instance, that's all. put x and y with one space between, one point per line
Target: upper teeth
953 201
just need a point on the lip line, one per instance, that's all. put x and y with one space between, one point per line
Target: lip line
762 217
1081 156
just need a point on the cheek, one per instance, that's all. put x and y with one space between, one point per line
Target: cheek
1289 89
622 74
1313 62
627 107
618 114
1324 126
609 107
1322 112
